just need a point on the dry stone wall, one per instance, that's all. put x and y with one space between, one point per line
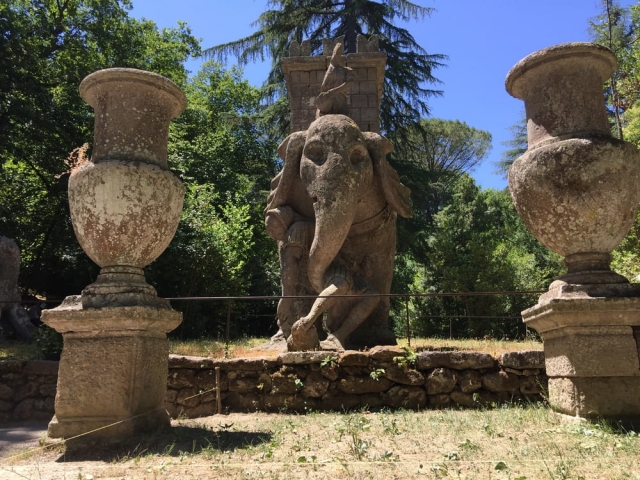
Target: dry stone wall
27 390
303 381
381 377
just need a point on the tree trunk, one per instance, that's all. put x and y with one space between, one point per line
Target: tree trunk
351 32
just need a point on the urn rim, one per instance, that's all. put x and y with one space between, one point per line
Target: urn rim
88 86
517 78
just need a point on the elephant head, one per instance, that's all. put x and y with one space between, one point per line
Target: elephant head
336 170
340 176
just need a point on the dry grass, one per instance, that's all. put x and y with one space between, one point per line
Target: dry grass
249 347
243 348
494 347
18 350
502 443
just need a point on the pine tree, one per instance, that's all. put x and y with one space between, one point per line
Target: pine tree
409 73
442 151
516 146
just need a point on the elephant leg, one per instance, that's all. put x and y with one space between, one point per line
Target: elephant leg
293 252
358 314
342 283
289 273
304 335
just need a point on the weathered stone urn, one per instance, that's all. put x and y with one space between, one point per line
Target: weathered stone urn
125 204
576 189
125 207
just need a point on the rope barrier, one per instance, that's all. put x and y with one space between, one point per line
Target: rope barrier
358 295
65 440
278 297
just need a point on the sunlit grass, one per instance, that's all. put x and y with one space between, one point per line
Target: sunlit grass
491 346
507 442
18 350
249 346
243 347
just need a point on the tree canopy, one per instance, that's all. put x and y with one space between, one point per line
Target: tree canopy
221 247
46 48
516 146
479 244
618 28
440 151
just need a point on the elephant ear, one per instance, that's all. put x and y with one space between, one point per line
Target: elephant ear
290 151
395 193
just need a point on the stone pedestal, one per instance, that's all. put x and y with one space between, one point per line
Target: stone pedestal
576 190
125 206
591 336
113 369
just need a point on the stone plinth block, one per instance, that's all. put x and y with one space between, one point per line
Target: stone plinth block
306 358
588 336
616 398
455 360
113 369
526 359
591 349
591 352
585 305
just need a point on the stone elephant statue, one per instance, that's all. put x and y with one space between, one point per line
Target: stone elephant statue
333 210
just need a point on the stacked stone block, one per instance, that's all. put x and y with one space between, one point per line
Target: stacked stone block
304 74
304 381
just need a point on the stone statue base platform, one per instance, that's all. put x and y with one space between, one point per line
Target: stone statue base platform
113 369
592 354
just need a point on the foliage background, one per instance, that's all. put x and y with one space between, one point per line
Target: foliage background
461 239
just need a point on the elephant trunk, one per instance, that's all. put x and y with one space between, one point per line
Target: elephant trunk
329 238
335 209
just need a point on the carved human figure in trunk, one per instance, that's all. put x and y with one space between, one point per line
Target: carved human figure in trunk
333 210
336 83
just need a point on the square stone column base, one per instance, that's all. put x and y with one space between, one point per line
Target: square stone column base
592 352
593 398
112 377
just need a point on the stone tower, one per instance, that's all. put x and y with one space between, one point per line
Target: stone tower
304 74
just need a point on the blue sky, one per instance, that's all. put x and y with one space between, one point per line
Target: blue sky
483 39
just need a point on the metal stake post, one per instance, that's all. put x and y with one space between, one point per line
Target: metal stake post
406 304
228 325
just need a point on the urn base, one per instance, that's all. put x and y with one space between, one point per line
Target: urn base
590 269
121 286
